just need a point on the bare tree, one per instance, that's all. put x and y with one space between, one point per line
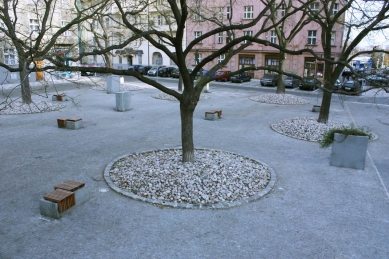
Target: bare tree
31 30
287 30
359 18
206 14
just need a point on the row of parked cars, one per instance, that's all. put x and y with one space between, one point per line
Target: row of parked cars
165 71
291 82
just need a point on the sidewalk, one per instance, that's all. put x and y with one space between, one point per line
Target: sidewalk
314 211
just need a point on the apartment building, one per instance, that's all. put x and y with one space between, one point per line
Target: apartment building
255 54
156 15
103 30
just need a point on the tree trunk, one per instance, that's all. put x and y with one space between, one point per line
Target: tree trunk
325 107
25 85
281 84
180 83
187 110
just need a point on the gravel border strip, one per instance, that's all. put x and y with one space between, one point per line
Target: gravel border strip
222 205
163 96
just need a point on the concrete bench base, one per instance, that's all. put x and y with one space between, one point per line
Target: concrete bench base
69 123
123 101
213 115
74 123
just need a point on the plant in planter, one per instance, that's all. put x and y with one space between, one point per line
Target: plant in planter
349 146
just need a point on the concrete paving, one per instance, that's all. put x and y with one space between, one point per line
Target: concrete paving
314 211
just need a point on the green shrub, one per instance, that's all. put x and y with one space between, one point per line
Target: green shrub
328 136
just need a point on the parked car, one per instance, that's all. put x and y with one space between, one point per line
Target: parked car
176 72
144 69
310 84
165 71
153 71
337 85
88 73
269 79
223 72
291 82
352 86
377 81
240 78
134 68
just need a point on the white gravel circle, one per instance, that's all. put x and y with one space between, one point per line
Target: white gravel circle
215 176
169 97
285 99
304 128
35 107
123 87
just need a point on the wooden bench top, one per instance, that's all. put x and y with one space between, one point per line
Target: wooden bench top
63 198
58 195
219 112
69 186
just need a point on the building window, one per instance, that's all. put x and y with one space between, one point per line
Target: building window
335 9
10 56
221 58
160 2
309 67
311 38
220 38
314 7
283 11
228 12
198 57
197 34
248 12
34 25
333 38
221 13
107 22
273 37
159 20
228 37
272 62
66 33
198 16
247 33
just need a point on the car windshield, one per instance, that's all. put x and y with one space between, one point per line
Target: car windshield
349 84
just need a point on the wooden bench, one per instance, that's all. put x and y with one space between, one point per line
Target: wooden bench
60 97
64 196
69 123
213 115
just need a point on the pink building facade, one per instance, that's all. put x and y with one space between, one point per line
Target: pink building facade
255 54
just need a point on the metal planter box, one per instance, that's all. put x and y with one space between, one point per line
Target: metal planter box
349 151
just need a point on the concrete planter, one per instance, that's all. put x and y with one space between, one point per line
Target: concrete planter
349 151
316 108
113 84
123 101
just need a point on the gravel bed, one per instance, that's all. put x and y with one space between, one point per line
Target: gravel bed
286 99
36 107
123 87
164 96
214 177
304 128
